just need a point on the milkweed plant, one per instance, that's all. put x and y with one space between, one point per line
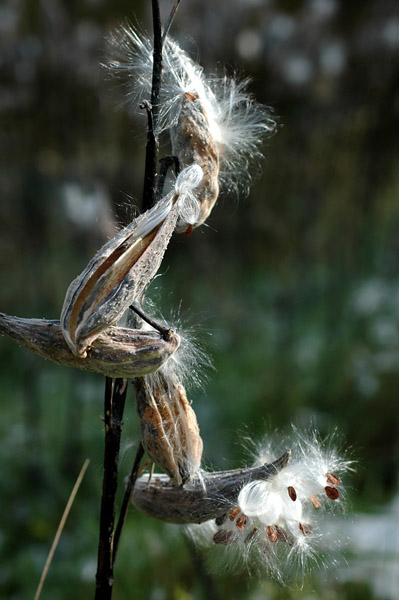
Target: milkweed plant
267 517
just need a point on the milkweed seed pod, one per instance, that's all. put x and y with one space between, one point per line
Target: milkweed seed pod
192 142
278 522
116 352
212 121
120 272
169 429
207 496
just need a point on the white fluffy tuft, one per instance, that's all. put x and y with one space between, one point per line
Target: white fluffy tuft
187 181
237 122
276 526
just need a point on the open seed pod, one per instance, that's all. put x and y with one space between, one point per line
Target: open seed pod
192 142
117 352
208 496
119 273
169 428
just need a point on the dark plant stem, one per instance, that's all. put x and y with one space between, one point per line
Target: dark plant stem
152 141
131 480
166 163
166 332
115 389
114 403
169 20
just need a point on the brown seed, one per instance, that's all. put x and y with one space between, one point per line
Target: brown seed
251 535
281 534
306 529
224 537
220 520
191 96
241 522
265 548
234 513
271 533
333 479
292 493
331 492
315 501
189 231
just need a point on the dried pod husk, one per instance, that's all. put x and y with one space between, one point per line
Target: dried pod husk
117 352
169 429
212 120
207 496
192 142
119 273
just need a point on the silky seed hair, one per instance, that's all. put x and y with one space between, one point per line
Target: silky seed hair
237 123
277 526
191 362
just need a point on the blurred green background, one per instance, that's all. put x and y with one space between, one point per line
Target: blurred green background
294 290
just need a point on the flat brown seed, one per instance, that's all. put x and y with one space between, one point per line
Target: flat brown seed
271 533
234 513
241 522
333 479
224 537
281 534
191 96
315 501
306 529
292 493
331 492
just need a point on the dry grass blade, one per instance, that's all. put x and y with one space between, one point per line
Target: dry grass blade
61 527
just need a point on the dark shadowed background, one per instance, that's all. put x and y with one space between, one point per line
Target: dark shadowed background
293 290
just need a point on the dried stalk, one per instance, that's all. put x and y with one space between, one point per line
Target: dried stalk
130 482
114 403
152 142
106 557
61 527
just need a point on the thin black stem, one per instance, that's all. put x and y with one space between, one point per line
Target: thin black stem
169 21
114 403
131 480
115 390
164 331
166 163
145 105
152 141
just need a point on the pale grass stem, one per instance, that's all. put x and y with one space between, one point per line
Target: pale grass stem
61 527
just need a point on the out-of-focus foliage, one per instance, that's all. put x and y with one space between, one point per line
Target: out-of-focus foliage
297 284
